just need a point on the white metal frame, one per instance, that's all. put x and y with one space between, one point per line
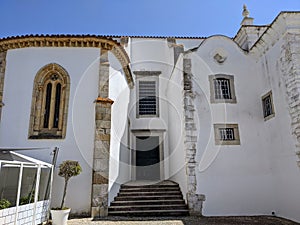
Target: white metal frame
33 163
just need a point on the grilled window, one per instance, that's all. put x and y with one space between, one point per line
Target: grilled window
267 106
147 98
267 103
226 134
222 88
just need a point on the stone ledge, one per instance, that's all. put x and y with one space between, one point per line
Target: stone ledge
104 100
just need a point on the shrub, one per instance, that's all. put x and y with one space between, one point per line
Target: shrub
4 203
27 199
68 169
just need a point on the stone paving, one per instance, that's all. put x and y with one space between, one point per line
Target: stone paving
190 220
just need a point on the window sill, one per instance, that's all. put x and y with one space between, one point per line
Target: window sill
231 142
45 136
217 101
269 117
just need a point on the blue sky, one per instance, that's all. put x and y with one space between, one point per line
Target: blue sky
135 17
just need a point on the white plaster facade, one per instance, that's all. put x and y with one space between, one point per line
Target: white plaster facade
256 177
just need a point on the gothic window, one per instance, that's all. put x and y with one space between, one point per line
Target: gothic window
268 108
49 103
222 88
226 134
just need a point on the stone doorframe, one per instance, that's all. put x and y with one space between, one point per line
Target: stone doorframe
150 133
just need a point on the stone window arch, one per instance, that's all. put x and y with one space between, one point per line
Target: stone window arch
50 100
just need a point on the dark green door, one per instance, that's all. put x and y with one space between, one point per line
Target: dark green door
147 158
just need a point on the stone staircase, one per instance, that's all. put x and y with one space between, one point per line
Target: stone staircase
142 199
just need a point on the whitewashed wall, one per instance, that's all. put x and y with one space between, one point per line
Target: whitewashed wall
237 180
152 55
177 160
119 165
82 66
278 136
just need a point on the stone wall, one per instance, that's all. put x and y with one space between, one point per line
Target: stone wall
102 141
2 74
190 141
290 68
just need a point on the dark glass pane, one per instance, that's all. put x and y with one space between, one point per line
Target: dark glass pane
47 105
57 104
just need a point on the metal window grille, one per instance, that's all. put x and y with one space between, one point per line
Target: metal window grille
267 103
226 134
147 98
222 88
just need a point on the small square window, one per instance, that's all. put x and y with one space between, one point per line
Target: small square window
222 89
226 134
267 104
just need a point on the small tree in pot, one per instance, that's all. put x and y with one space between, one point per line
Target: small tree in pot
67 169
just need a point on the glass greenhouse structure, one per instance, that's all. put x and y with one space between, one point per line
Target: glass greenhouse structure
25 187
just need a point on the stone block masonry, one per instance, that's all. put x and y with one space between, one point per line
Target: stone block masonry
2 74
194 200
102 142
290 69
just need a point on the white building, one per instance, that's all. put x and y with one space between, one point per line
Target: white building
221 115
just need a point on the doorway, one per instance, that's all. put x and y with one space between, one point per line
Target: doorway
147 158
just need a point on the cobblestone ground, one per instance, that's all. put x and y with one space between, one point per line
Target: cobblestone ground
244 220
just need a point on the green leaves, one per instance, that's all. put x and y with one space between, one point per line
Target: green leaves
4 203
69 168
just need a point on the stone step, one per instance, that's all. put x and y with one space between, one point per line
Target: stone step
182 212
149 193
161 189
137 198
160 199
124 186
147 207
144 202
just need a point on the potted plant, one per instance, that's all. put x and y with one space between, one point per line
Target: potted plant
67 169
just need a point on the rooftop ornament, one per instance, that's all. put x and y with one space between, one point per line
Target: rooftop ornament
245 11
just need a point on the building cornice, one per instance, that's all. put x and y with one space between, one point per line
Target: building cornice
83 41
284 22
242 35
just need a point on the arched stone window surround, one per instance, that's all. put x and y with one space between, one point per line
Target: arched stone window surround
56 75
